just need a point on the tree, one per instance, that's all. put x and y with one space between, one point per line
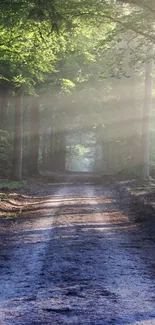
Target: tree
61 45
34 136
28 55
17 148
145 138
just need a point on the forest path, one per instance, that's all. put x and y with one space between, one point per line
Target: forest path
80 263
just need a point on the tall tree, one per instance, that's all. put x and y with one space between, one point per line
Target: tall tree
145 138
3 104
17 148
34 136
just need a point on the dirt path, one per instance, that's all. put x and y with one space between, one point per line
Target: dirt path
80 263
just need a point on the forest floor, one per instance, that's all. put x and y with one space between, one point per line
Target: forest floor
72 253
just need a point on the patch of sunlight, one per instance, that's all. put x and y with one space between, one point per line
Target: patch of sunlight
140 192
69 199
99 228
60 183
31 239
144 322
64 236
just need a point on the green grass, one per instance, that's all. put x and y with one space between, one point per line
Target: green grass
10 185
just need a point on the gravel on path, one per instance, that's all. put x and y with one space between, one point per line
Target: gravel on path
81 262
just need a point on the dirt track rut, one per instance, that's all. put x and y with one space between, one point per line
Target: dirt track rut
81 263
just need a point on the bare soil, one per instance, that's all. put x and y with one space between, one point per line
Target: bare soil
71 254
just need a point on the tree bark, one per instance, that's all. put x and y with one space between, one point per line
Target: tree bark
55 159
62 151
51 148
17 148
3 106
43 150
54 150
34 137
134 127
145 137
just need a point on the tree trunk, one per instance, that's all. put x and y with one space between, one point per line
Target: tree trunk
43 151
3 106
17 148
145 138
51 148
54 157
34 137
62 151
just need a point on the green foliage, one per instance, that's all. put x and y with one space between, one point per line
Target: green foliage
38 33
5 150
66 52
9 185
67 85
26 56
80 150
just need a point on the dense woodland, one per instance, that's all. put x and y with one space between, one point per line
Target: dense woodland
76 87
